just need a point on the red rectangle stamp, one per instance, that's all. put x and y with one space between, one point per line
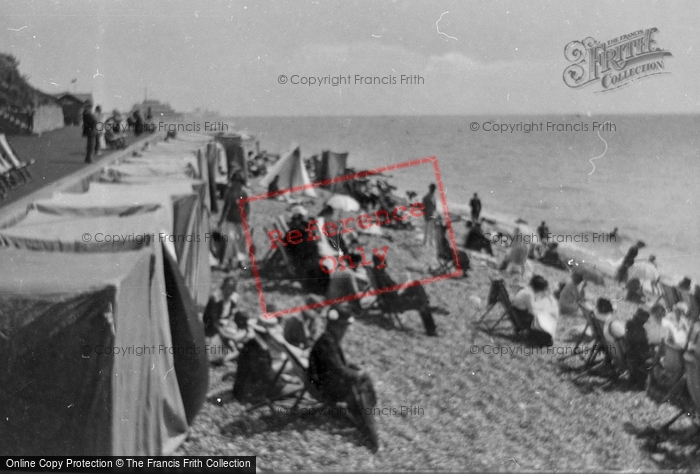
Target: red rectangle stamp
324 253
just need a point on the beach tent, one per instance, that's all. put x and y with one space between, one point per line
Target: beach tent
183 160
61 233
200 187
291 171
237 147
152 169
334 165
185 227
63 390
203 153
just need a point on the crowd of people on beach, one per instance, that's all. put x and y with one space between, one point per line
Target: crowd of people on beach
313 337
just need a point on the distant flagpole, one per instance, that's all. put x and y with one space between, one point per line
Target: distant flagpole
75 87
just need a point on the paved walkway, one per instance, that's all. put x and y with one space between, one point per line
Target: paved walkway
57 154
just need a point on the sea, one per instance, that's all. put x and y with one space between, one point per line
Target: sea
584 175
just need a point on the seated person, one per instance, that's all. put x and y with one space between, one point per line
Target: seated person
635 293
669 366
114 135
350 281
570 295
333 378
234 334
551 256
445 248
613 330
676 326
638 352
256 376
535 313
475 239
302 329
654 326
273 328
220 307
410 298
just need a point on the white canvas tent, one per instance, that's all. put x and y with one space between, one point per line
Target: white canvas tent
291 171
61 393
182 209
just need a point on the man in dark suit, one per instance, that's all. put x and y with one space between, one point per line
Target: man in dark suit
336 380
90 131
328 369
475 204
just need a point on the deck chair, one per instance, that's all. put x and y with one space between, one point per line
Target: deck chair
680 382
445 256
394 303
498 294
10 177
300 370
600 344
279 346
670 295
9 153
275 257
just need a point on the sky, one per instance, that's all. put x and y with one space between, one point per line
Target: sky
475 57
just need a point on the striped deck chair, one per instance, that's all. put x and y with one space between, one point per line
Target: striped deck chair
9 154
9 176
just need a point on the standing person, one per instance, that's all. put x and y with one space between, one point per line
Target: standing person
89 131
100 129
233 220
138 123
543 232
150 123
475 204
628 261
541 244
430 215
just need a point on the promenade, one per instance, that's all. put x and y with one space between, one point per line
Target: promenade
58 154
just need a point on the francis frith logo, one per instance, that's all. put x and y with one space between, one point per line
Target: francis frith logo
615 63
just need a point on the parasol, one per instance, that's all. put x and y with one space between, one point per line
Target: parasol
342 202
